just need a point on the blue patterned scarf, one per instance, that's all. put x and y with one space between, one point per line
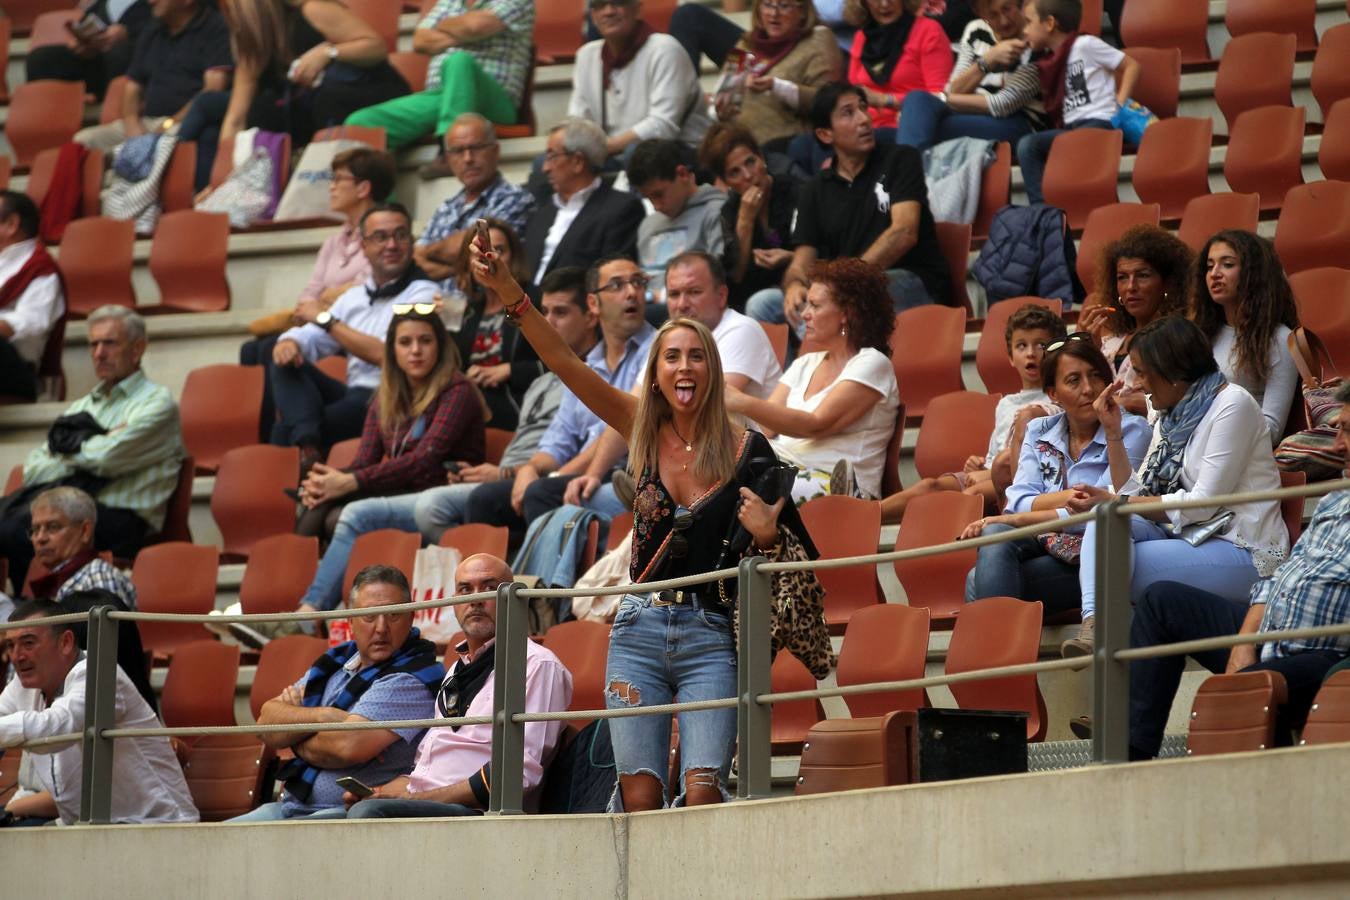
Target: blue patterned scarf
417 657
1162 470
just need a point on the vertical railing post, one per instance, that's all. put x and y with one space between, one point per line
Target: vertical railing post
100 713
1111 677
508 698
753 677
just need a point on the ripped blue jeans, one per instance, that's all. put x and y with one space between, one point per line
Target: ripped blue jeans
656 655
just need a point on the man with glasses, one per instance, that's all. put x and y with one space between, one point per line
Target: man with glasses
315 411
473 153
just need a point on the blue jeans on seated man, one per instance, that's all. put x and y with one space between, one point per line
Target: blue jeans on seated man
1023 569
278 811
1170 612
1034 149
313 409
925 120
357 518
408 809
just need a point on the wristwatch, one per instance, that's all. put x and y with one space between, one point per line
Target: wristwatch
325 320
981 64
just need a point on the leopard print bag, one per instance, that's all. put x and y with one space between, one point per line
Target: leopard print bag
797 610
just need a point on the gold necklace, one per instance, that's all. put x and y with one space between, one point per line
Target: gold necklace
688 446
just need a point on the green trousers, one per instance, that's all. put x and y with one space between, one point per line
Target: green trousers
465 87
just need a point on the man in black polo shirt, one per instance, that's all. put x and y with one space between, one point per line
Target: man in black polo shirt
872 202
185 50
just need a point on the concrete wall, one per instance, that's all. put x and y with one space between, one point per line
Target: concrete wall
1249 825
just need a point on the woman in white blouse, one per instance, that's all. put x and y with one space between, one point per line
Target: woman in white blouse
1244 305
834 410
1210 438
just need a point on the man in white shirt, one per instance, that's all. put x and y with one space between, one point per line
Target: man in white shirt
32 297
46 698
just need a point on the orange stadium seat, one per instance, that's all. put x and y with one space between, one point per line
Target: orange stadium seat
342 454
1265 153
525 124
957 426
279 570
187 259
6 169
1256 70
1204 216
96 257
475 537
44 167
175 188
996 632
890 475
1331 68
1090 21
926 351
283 662
954 239
22 13
219 411
248 502
1082 171
991 353
111 108
496 440
387 547
1329 719
174 577
43 114
583 647
176 526
619 528
1173 163
1314 226
777 333
845 526
557 32
1323 299
1159 84
371 136
1235 713
1296 17
1105 224
1334 155
224 775
995 190
887 642
1183 24
412 66
380 15
199 686
49 28
5 34
792 719
936 583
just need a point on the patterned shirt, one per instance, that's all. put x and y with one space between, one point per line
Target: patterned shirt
1312 587
505 56
99 574
500 200
140 454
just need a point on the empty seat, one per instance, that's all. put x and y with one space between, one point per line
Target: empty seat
475 537
845 526
1331 68
557 33
1183 24
1082 171
1323 299
96 255
283 662
1265 153
200 685
1296 17
954 239
792 719
1159 84
187 259
888 642
279 571
1104 225
224 775
1173 163
1204 216
991 353
937 583
1235 713
992 633
43 114
1314 226
956 427
1256 70
1334 155
995 190
371 136
342 454
22 13
386 547
412 66
248 502
926 351
495 441
583 647
174 577
1329 719
852 754
219 411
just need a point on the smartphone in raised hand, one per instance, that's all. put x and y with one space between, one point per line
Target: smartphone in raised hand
483 240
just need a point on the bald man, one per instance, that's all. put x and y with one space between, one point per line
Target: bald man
451 774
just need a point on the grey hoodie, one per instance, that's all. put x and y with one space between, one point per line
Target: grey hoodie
698 227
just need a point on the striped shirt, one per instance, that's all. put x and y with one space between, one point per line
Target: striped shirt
141 453
1008 93
504 56
1312 587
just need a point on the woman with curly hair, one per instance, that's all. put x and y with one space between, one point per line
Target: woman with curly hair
834 410
1244 305
1142 276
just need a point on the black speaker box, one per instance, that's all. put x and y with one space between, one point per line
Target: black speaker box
970 743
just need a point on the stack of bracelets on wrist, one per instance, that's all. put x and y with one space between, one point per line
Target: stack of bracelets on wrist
515 310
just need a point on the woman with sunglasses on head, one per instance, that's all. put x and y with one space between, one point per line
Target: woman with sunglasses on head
1210 438
688 461
1245 306
1057 452
501 364
424 413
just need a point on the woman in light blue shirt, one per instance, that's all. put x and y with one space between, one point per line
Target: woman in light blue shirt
1057 452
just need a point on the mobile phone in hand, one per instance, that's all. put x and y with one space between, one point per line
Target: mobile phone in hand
354 787
483 240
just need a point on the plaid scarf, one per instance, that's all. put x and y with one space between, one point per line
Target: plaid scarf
416 657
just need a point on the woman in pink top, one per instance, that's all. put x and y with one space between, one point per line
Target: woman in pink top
896 50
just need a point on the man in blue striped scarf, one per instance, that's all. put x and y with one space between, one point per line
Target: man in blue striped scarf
388 672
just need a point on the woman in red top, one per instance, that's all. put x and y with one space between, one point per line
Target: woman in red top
896 50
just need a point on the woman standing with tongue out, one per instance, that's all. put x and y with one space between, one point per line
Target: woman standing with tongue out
689 463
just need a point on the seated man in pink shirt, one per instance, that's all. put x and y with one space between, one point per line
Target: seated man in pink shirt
450 775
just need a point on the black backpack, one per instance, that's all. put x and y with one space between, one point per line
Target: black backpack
582 776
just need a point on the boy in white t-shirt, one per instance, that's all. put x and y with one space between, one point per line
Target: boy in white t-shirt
1029 330
1079 85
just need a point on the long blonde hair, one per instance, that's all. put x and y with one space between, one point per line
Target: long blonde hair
715 453
398 403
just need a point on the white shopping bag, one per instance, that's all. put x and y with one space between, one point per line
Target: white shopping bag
434 579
